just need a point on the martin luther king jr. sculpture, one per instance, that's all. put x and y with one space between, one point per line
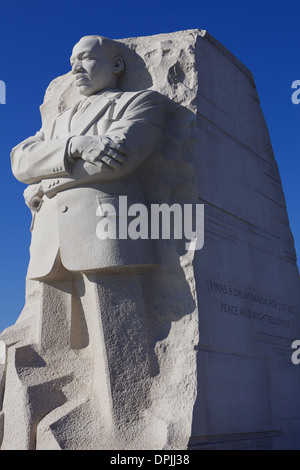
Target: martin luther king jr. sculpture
84 157
140 343
89 152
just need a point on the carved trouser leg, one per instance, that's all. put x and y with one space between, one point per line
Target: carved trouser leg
112 414
117 321
85 383
38 374
43 374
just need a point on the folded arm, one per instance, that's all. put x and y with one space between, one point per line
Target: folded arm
35 159
62 163
131 137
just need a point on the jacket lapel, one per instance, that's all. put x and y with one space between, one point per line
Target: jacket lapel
61 125
97 109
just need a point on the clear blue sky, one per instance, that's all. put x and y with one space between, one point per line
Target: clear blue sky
36 38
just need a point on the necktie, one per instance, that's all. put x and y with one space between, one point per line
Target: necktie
80 110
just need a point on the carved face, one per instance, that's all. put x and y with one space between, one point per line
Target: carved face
94 71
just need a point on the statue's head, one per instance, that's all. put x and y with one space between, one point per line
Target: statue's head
96 64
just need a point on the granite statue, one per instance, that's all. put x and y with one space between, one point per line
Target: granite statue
140 343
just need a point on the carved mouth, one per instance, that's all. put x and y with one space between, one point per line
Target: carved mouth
80 79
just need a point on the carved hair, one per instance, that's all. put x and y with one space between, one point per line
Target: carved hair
110 47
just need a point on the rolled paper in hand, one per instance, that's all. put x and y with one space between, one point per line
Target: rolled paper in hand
36 204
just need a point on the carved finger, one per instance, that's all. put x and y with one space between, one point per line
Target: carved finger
111 162
119 148
119 157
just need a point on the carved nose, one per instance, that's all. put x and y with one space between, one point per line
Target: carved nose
77 67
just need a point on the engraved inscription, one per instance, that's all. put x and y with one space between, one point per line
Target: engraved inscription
250 305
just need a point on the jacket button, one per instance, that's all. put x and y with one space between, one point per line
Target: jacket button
64 208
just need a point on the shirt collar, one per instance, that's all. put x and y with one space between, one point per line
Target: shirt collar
106 94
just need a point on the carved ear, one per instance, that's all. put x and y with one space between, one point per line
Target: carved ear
118 64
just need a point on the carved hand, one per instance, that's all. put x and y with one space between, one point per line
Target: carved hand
95 149
32 194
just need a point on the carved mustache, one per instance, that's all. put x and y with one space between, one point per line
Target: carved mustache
80 77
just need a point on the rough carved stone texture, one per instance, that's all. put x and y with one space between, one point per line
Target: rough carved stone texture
214 327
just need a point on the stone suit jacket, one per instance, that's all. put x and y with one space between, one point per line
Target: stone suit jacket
66 224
